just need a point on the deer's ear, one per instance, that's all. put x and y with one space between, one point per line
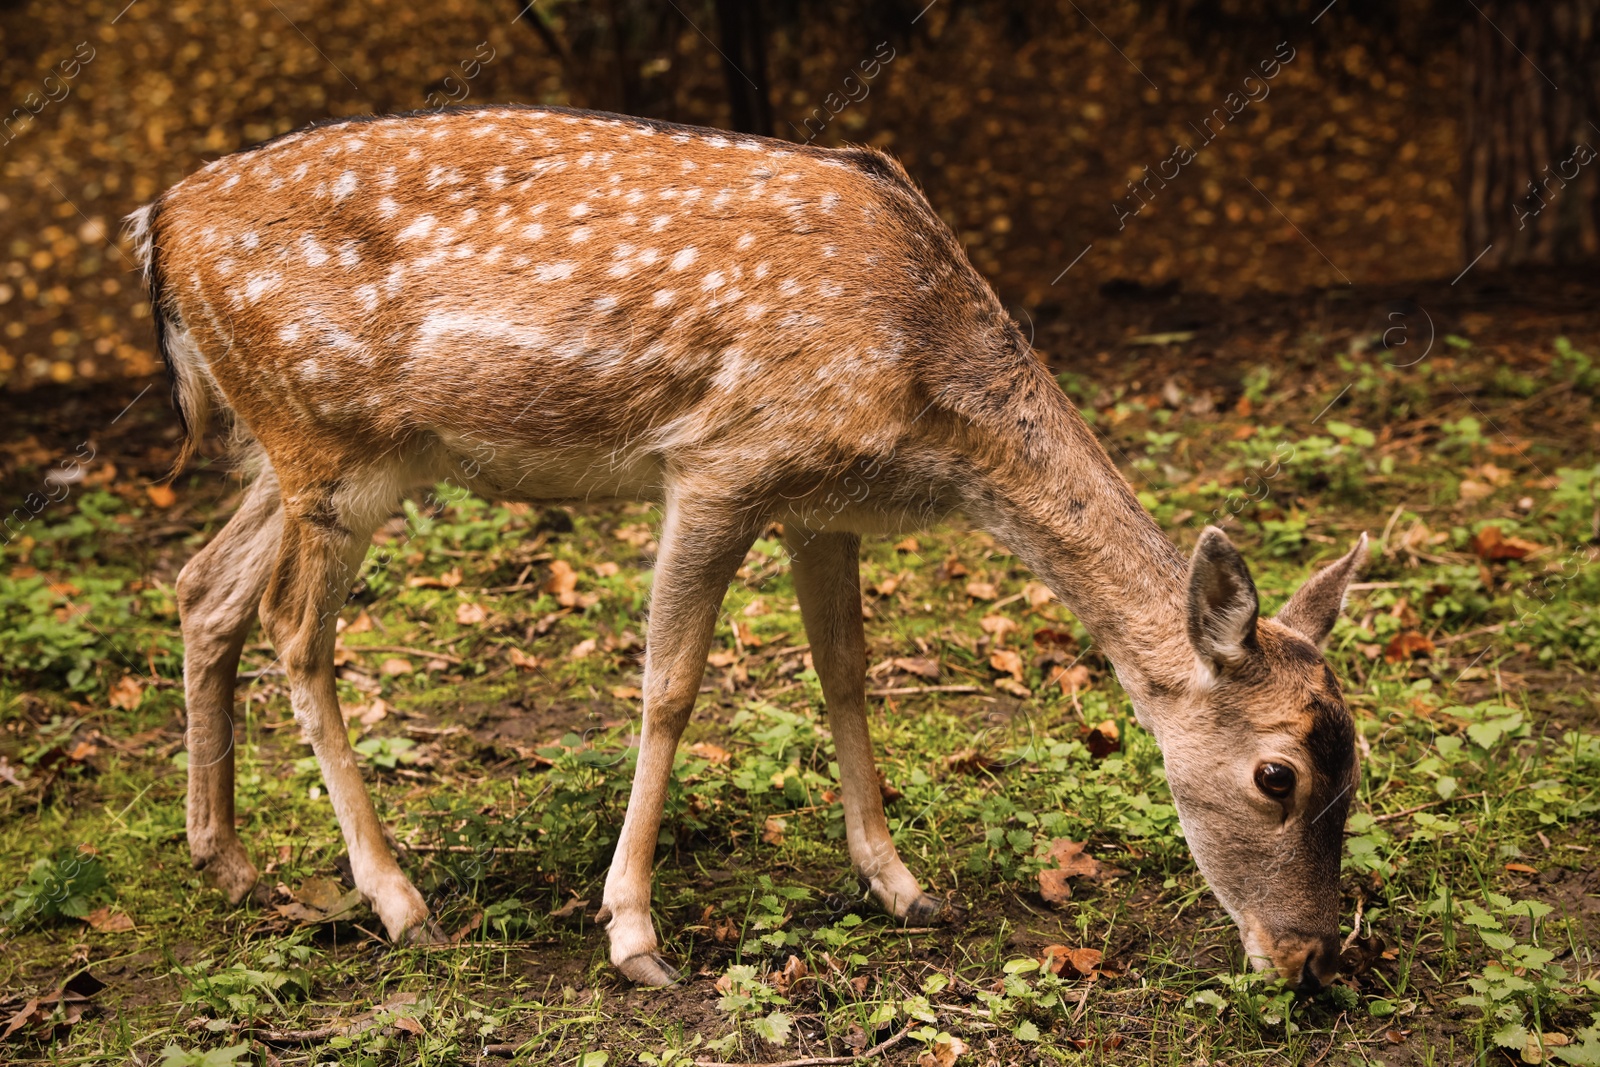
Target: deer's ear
1222 602
1314 608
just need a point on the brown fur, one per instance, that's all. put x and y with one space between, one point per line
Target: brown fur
542 304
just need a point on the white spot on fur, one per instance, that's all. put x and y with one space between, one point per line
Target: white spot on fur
579 235
262 284
315 255
290 333
533 231
348 256
714 280
388 208
419 228
554 272
685 257
345 185
745 241
663 298
366 296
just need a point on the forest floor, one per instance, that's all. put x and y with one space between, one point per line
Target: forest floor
489 667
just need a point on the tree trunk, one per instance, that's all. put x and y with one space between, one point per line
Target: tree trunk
1533 132
744 65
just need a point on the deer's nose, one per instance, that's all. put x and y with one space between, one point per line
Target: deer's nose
1320 967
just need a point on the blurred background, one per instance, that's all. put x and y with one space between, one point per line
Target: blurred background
1115 167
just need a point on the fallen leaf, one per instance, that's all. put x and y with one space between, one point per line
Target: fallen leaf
908 544
606 569
1082 961
321 900
1521 868
1006 661
395 666
448 580
855 1037
709 752
888 792
723 657
1037 594
470 614
1492 546
106 921
361 624
920 666
572 907
997 627
562 583
794 972
1067 859
942 1052
409 1024
885 586
162 496
521 660
627 692
982 590
127 693
1072 679
583 648
971 761
1014 687
1394 1037
772 830
747 636
1102 740
1407 645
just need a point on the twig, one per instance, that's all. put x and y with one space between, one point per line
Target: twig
505 850
910 690
820 1061
1355 929
1424 807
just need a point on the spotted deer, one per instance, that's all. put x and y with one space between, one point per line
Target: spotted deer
548 305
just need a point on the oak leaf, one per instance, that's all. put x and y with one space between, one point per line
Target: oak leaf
1067 860
1407 645
127 693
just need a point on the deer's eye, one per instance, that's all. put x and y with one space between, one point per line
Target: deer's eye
1275 780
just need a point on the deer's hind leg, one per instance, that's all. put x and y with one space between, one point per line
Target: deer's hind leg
218 593
827 583
325 539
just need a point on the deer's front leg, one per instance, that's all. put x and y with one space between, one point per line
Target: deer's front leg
827 582
702 546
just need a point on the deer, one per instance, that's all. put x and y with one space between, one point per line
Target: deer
551 305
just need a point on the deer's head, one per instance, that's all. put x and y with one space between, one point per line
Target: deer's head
1263 766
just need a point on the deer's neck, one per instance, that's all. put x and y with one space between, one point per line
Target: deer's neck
1049 492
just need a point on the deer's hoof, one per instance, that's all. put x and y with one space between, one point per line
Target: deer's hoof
426 934
230 872
927 909
649 969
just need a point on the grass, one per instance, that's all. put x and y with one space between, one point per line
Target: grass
489 667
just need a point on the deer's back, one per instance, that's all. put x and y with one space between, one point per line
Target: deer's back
560 282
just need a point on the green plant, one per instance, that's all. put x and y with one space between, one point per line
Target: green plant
59 887
176 1056
1522 987
278 975
745 994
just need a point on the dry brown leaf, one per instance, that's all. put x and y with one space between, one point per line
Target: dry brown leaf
1015 688
997 627
793 974
942 1052
1072 679
627 692
1006 661
1493 546
971 761
562 583
921 666
470 614
448 580
521 660
1067 860
571 908
982 590
106 921
709 752
361 624
127 693
1102 740
886 586
162 496
1082 961
908 544
583 648
772 830
723 657
1406 646
606 569
395 666
320 900
1037 594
